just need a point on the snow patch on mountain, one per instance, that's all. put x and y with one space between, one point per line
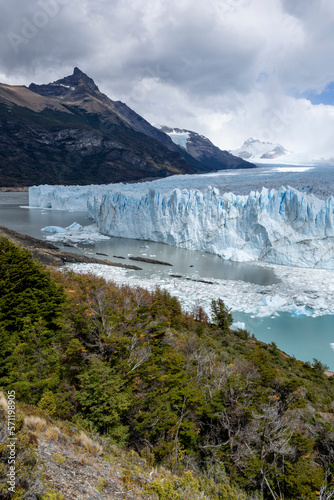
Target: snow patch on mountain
201 148
180 138
253 149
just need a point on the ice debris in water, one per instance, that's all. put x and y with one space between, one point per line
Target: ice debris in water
238 325
75 233
292 290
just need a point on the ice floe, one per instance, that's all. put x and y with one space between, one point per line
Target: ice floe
75 233
299 292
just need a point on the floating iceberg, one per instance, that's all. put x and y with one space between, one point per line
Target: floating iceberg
53 229
75 233
238 325
75 227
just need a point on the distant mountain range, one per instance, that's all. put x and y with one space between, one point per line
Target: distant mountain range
203 150
254 150
68 132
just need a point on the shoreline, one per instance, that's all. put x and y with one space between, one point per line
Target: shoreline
50 255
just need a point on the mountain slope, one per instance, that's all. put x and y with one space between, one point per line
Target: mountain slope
203 150
173 391
69 132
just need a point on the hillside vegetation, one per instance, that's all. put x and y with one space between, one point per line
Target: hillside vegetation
229 417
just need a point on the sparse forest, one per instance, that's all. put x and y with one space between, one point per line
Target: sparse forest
184 392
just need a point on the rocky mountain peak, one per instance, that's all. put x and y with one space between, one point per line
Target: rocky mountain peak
78 78
78 81
250 141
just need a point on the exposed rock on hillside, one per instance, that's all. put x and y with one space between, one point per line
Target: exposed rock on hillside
68 132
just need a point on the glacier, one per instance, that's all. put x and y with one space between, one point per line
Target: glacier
281 226
71 198
286 225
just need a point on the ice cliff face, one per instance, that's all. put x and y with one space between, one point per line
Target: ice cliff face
65 197
282 227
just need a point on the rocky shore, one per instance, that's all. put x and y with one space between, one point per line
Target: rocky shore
50 255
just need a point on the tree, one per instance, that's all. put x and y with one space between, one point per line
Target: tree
26 290
221 315
103 399
31 303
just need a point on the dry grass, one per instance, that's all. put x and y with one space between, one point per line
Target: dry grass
53 433
3 402
39 425
36 424
92 446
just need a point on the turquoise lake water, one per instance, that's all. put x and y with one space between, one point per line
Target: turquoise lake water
303 337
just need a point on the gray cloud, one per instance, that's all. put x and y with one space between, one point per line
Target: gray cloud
223 67
39 36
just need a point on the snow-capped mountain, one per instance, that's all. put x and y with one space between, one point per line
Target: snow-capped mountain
254 150
203 150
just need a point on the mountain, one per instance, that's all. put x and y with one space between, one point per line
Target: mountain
253 149
203 150
68 132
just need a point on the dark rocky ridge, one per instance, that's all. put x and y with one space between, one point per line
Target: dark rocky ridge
68 132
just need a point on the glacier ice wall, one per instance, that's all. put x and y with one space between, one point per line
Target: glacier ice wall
281 226
65 197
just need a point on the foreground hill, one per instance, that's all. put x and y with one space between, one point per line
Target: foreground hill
68 132
219 409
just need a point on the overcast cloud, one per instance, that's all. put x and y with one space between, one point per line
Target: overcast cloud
229 69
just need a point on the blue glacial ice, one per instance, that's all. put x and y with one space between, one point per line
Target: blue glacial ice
280 226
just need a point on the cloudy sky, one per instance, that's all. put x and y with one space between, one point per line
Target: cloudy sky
228 69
